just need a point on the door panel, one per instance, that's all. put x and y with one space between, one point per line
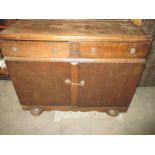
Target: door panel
41 83
108 84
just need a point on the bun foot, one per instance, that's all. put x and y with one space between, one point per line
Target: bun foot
112 112
36 111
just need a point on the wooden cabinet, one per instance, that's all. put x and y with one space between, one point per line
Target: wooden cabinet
75 64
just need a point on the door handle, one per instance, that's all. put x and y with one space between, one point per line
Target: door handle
69 82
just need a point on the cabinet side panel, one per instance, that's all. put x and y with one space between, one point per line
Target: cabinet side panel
131 81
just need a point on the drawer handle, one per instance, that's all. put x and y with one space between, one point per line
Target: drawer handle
54 50
14 49
69 82
132 52
93 50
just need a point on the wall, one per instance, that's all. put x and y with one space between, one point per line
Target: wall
148 76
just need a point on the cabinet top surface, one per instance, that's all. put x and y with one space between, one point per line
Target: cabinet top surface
103 30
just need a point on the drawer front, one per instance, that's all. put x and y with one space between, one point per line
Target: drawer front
113 50
35 49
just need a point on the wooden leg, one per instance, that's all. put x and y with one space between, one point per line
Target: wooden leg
112 112
36 111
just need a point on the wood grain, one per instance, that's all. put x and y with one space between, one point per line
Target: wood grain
110 72
76 60
108 84
66 30
112 50
41 83
71 108
36 49
74 79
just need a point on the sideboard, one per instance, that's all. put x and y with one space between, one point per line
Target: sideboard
78 65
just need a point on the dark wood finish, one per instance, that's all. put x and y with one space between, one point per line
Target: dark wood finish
41 83
96 66
72 108
74 49
113 50
75 60
35 49
108 84
74 79
90 30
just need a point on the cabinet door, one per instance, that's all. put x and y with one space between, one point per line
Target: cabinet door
41 83
108 84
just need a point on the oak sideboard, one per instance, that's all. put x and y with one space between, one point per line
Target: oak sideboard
78 65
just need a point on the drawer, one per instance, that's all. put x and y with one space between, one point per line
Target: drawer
113 50
35 49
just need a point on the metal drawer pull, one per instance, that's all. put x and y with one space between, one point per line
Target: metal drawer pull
82 83
93 50
54 50
132 51
68 81
14 49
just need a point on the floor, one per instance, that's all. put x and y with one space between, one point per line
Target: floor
140 118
